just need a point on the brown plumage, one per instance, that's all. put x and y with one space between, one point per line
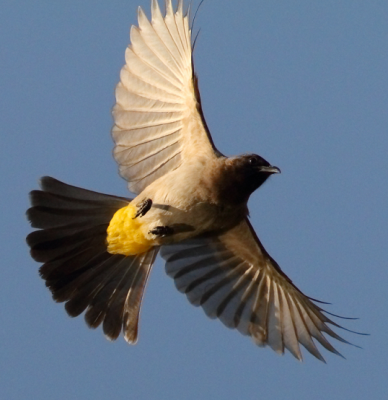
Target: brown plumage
191 203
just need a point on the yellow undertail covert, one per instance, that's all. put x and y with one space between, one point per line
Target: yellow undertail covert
125 235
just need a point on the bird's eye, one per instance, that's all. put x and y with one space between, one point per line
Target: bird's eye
252 161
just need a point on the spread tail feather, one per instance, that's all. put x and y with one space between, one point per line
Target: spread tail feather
71 244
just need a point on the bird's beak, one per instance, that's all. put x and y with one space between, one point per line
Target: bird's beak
270 170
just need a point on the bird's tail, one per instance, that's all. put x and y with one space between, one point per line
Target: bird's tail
71 243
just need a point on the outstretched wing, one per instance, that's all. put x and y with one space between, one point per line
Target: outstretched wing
158 119
234 279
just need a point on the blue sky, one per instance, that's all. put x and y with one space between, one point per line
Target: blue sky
305 85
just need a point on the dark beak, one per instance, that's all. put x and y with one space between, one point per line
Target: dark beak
270 170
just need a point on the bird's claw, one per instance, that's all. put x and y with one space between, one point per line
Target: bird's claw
143 208
162 231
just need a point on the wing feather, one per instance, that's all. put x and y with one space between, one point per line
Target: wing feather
274 333
243 314
150 57
149 74
143 104
138 86
153 133
302 330
289 333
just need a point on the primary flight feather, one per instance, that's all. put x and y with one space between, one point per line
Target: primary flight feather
98 250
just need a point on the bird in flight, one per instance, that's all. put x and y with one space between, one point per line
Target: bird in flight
97 250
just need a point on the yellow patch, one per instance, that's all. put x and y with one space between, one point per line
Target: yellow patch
125 235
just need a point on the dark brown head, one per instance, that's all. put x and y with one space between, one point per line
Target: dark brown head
246 174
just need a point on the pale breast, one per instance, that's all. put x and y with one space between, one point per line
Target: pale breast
186 201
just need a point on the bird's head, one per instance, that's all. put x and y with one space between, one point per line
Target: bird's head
250 171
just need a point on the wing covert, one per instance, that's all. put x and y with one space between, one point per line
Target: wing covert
158 119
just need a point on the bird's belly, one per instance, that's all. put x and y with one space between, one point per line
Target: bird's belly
184 224
184 201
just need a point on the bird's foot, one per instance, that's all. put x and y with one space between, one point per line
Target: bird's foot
143 208
162 231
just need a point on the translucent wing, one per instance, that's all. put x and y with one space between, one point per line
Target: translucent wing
158 119
234 279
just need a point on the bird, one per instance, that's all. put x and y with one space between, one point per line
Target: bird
190 204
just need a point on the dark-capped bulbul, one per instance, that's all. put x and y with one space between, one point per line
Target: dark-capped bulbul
97 250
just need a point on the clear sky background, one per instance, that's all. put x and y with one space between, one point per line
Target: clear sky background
302 83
